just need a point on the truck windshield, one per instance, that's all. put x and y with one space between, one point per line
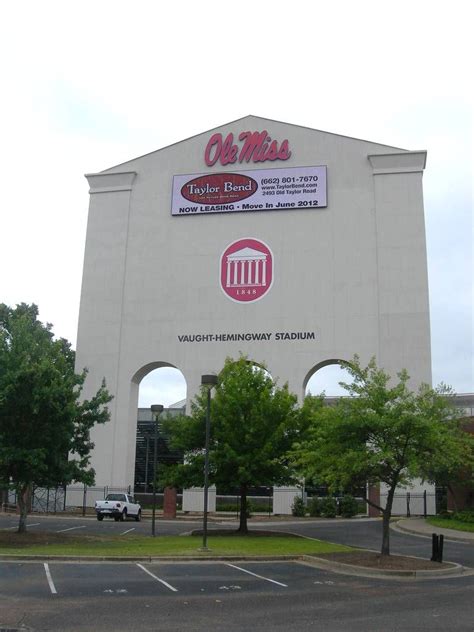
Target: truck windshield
115 497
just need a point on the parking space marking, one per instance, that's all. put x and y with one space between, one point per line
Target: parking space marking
267 579
35 524
162 581
50 579
71 529
125 532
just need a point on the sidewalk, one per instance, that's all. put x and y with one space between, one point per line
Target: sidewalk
418 526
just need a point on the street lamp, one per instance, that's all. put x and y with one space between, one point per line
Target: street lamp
208 381
156 409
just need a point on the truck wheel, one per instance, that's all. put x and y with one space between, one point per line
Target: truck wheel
99 517
138 517
123 516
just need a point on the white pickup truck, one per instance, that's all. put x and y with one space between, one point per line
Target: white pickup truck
118 506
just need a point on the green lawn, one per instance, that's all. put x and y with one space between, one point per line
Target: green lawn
51 544
450 523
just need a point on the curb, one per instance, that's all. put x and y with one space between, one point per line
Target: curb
455 538
456 570
150 558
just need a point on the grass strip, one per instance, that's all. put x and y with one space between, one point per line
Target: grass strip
450 523
62 544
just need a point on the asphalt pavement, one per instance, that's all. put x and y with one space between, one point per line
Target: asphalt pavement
241 596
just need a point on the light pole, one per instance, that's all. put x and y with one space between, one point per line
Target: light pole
208 381
156 409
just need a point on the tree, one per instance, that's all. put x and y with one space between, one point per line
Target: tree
382 433
253 425
44 425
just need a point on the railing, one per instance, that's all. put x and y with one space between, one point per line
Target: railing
78 498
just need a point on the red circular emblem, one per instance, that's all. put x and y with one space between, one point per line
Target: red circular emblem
246 270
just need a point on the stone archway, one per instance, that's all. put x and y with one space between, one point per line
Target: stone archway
331 381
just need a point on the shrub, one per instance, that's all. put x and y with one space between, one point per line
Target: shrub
298 507
445 514
465 516
234 507
250 508
329 507
315 506
348 506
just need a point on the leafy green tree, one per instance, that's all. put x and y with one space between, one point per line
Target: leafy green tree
382 433
253 425
44 425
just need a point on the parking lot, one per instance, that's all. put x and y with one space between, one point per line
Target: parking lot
227 595
86 579
222 596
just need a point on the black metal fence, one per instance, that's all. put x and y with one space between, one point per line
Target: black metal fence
417 503
261 500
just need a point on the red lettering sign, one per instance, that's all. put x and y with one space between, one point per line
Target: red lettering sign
256 147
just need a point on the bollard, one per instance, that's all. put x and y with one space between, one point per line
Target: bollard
437 548
440 549
434 547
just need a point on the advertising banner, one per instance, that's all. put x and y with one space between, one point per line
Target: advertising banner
257 190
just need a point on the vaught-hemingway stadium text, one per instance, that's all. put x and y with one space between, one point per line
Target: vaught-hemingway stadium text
280 335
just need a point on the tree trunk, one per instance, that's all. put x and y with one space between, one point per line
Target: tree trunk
453 497
387 514
243 510
23 496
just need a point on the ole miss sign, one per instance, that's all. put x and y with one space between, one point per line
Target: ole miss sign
253 147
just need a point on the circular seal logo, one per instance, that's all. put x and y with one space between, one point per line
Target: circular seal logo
246 270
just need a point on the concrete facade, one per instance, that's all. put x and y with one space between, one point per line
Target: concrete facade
352 273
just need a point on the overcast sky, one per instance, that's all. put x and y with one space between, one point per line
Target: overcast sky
87 85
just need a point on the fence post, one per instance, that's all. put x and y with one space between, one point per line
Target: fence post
425 513
408 504
47 501
84 495
64 501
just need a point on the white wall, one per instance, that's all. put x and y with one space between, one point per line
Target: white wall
416 499
193 499
354 273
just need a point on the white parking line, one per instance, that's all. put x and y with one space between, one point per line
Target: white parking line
267 579
71 529
125 532
50 579
35 524
162 581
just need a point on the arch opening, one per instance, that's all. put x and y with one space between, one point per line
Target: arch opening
325 377
157 383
